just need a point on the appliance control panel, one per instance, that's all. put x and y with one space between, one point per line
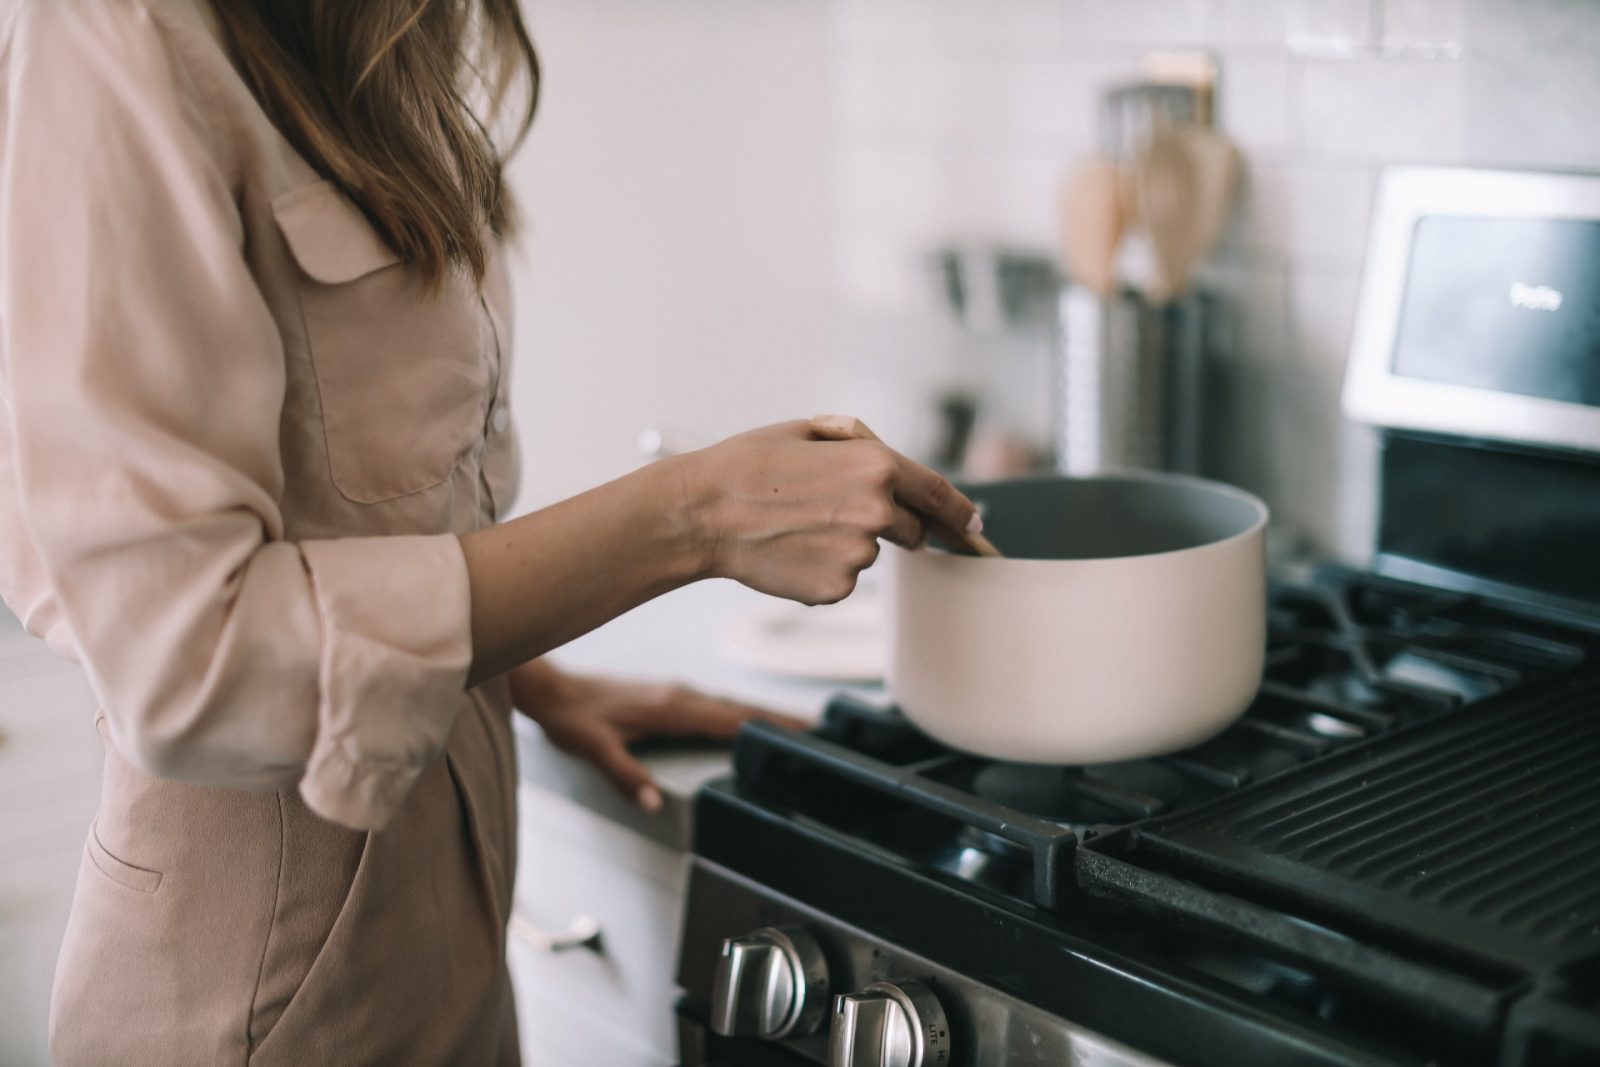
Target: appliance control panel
782 979
770 983
889 1025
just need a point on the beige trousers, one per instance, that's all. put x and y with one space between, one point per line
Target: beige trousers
214 926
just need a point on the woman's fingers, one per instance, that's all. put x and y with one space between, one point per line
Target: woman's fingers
918 487
632 778
599 742
803 522
680 712
906 529
929 492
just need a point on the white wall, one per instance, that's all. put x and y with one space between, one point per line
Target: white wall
956 120
675 187
49 785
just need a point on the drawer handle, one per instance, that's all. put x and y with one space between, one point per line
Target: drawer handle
584 932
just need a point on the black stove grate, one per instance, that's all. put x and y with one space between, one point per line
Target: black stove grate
1479 832
1350 658
1434 825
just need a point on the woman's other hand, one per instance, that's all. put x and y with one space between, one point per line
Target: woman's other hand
797 517
597 718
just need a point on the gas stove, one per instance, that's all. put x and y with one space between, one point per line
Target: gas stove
1377 863
1393 857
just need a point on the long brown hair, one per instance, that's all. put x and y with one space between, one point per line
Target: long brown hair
395 101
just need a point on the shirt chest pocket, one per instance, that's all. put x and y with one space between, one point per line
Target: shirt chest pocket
404 373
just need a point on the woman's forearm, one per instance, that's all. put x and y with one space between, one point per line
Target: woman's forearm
776 509
543 579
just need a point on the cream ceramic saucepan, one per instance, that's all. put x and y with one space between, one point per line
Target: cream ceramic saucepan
1127 619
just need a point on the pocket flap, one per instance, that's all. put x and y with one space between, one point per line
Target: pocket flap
120 871
330 238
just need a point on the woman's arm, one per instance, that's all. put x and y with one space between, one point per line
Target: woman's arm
540 580
775 509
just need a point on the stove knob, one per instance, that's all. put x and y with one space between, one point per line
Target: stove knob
771 984
889 1025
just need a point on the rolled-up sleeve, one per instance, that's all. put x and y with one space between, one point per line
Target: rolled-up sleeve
145 380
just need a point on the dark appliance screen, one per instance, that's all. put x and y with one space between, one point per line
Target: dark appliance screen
1510 305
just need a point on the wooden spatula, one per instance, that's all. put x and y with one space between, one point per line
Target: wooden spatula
1164 183
846 428
1216 180
1091 226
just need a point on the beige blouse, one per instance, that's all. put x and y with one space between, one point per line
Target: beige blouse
237 440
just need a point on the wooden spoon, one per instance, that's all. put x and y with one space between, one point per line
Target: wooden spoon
1164 183
1091 226
846 428
1216 179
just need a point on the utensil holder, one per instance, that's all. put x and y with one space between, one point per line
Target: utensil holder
1128 382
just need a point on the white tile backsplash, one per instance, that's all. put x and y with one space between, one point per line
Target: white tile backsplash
1007 198
1277 432
1255 103
1393 109
957 119
1304 27
1426 29
970 25
892 96
1304 208
1532 76
1321 312
1145 22
972 99
1329 28
1260 23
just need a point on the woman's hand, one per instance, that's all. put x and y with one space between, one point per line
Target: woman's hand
796 517
597 718
777 509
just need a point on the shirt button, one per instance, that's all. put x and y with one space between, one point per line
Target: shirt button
500 419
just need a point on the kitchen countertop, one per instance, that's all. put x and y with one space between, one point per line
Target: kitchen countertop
674 637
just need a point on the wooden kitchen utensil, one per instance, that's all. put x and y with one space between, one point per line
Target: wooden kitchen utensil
1215 162
1091 226
1165 187
845 428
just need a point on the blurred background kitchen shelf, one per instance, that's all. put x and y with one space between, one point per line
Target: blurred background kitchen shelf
733 210
733 205
956 119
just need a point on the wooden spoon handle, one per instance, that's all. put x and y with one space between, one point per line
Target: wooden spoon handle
848 428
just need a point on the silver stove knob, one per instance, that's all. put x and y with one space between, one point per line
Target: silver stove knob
771 984
889 1025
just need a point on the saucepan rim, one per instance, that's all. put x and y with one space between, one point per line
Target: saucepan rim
1262 514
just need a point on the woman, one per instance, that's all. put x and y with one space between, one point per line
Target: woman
252 452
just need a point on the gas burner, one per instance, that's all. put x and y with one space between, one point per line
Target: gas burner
1382 675
1377 653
